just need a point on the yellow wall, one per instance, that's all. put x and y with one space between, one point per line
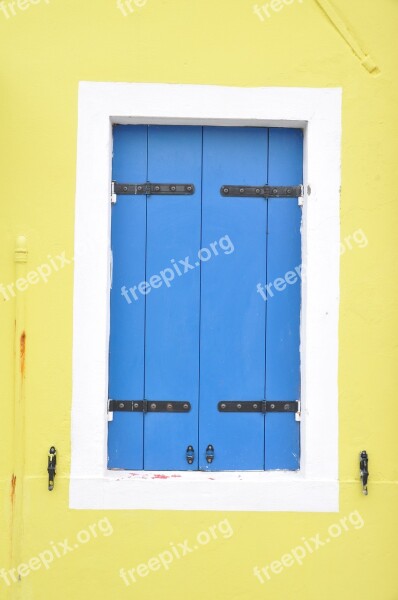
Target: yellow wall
46 49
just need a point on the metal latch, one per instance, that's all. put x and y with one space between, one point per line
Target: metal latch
265 191
170 406
209 454
113 194
190 455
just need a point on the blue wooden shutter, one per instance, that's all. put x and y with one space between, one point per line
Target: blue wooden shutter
172 313
282 450
208 335
232 358
126 348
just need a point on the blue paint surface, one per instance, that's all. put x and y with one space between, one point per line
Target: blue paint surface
172 310
126 346
206 335
282 449
232 354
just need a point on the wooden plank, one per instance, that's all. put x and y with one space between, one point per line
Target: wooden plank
232 355
126 348
172 308
282 440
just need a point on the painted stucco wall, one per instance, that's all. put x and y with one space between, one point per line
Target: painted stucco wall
47 47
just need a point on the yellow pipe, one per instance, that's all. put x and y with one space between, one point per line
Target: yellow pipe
18 455
342 28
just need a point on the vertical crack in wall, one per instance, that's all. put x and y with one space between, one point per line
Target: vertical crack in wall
338 23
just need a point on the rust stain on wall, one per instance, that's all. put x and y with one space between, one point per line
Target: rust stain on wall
22 349
13 488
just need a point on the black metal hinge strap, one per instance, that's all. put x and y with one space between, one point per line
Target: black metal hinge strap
159 189
265 191
259 406
170 406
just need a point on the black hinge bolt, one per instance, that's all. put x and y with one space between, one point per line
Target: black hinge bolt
363 466
52 463
209 453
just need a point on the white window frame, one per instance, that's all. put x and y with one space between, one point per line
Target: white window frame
318 112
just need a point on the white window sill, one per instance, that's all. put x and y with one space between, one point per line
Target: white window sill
193 490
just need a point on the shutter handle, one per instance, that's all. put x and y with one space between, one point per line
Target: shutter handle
209 453
190 455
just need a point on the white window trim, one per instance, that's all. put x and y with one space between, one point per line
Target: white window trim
315 487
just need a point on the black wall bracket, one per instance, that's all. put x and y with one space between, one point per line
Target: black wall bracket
51 467
364 472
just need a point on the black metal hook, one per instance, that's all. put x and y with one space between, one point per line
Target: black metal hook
363 466
52 463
